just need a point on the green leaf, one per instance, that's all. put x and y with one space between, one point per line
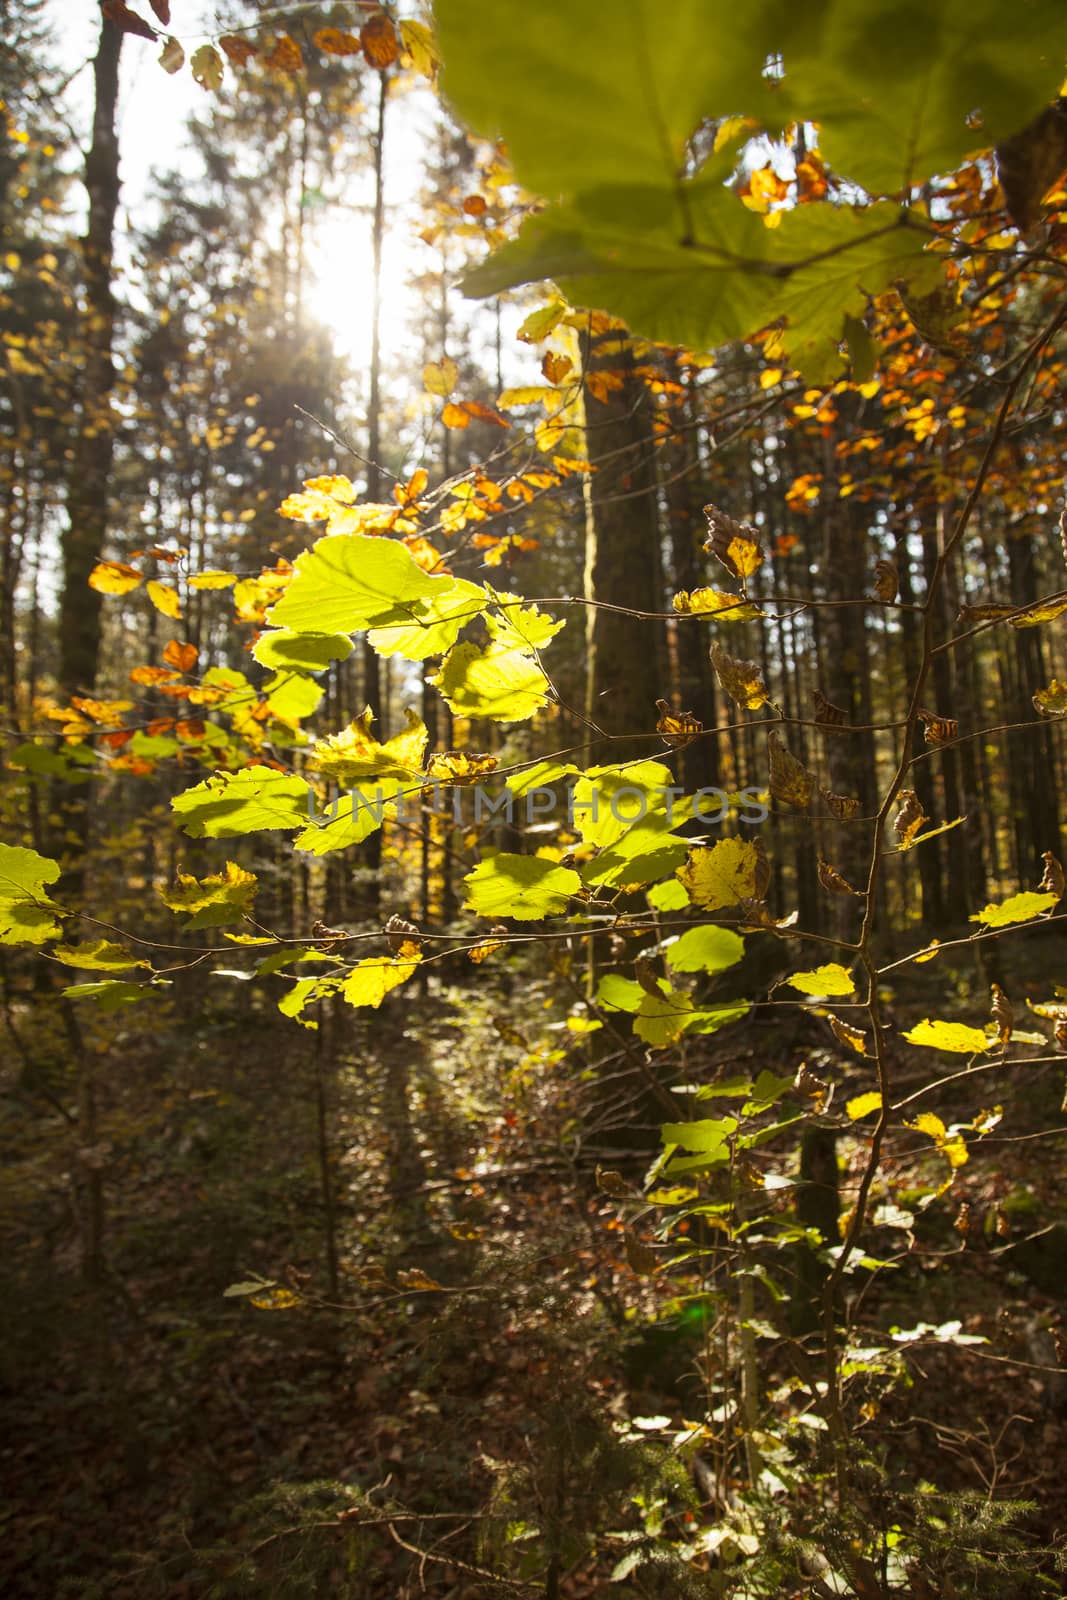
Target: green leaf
496 682
348 581
214 901
109 993
27 915
432 625
523 887
255 800
616 993
702 1136
670 896
954 1036
705 949
353 818
100 956
283 649
829 979
1019 908
661 1019
291 697
608 801
521 627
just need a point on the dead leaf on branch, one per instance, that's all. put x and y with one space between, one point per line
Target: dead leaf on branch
741 680
401 933
886 581
909 818
1053 881
1003 1014
678 728
938 729
735 544
790 781
832 880
826 712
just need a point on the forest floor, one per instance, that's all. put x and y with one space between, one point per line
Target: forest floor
473 1415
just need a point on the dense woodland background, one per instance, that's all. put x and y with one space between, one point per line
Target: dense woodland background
469 1355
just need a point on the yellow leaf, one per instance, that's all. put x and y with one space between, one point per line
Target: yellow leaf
420 45
206 65
721 874
770 377
715 603
742 680
955 1036
164 598
863 1105
830 979
440 377
454 416
113 577
1019 908
212 580
369 982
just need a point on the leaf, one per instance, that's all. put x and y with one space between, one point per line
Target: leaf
433 625
206 66
1045 611
255 800
182 657
847 1034
953 1148
455 416
379 40
1030 162
722 874
640 1257
523 887
114 577
459 766
109 993
1019 908
495 682
351 581
335 42
702 1137
354 758
161 9
172 56
27 915
909 818
954 1036
164 598
100 956
829 980
286 55
1052 880
735 544
212 580
354 818
705 949
286 650
128 21
715 603
742 680
1052 702
440 377
790 781
832 880
239 52
863 1105
214 901
419 43
370 981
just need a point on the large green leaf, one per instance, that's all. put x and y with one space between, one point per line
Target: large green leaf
27 915
348 581
433 624
523 887
254 800
502 684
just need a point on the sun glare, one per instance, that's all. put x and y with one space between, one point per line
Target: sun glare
341 292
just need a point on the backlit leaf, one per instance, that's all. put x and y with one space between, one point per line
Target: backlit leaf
114 577
27 915
862 1105
742 680
722 874
829 980
370 981
213 902
504 685
705 949
1019 908
955 1036
351 581
164 598
99 956
523 887
206 66
254 800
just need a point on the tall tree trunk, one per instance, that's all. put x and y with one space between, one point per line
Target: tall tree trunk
87 497
622 553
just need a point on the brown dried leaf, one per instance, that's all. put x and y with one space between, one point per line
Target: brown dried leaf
938 729
399 933
286 56
679 729
790 781
1053 881
1003 1014
886 581
640 1258
742 680
827 712
380 43
968 616
909 818
832 880
735 544
645 973
238 52
1030 162
846 1033
128 21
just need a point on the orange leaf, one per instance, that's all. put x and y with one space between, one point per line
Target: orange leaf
286 55
151 675
380 43
164 598
405 493
474 205
556 368
113 577
190 728
182 656
455 416
159 725
483 413
334 42
116 739
238 51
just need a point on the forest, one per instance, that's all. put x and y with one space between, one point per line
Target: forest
533 590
